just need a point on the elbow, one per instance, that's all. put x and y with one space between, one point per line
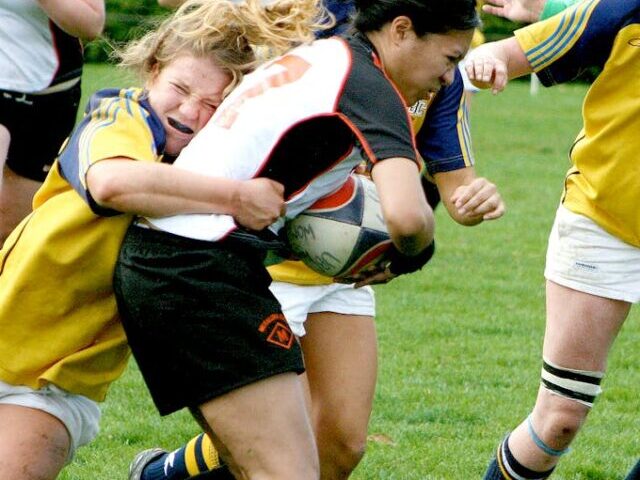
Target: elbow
93 23
411 232
93 29
94 33
105 189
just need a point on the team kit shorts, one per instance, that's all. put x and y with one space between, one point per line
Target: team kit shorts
38 125
298 301
199 316
80 415
584 257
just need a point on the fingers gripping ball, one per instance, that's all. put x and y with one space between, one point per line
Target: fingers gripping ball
342 233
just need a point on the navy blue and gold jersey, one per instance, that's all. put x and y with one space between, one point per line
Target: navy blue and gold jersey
443 135
603 181
56 267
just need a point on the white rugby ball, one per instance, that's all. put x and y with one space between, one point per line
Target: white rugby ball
343 233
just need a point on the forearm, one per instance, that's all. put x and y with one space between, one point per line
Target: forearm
80 18
407 215
156 190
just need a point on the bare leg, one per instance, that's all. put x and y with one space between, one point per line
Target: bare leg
265 430
33 444
16 196
579 332
340 354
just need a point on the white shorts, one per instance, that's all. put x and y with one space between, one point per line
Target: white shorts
80 415
299 300
584 257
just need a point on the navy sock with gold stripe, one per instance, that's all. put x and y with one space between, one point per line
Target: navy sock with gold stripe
505 467
198 458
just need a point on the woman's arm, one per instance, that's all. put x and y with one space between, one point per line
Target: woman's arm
408 217
80 18
492 65
527 11
158 190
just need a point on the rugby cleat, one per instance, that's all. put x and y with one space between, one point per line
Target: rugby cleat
141 460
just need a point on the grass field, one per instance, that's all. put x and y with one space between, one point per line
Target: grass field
460 342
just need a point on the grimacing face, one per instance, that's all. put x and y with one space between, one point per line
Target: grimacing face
421 66
185 93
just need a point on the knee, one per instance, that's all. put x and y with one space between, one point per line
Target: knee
341 453
566 397
559 422
350 454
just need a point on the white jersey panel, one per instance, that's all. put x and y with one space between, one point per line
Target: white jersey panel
237 141
28 58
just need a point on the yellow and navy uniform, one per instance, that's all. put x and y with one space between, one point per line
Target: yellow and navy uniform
602 184
443 140
57 309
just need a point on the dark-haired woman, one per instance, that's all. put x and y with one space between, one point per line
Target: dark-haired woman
193 293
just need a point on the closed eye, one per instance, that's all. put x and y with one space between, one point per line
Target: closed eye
180 88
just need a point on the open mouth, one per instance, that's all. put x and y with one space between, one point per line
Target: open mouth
179 126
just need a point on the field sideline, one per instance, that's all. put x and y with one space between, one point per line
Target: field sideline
460 341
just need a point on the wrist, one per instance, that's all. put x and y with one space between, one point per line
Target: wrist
400 264
235 198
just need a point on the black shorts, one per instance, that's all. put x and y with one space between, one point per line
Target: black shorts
38 125
200 317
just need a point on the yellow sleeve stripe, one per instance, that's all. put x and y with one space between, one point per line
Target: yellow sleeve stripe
569 29
100 118
464 132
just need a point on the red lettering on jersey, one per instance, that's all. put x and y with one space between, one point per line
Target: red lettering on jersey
294 68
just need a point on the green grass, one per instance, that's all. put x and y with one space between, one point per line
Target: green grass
460 342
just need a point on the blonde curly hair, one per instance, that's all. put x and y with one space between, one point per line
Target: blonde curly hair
228 31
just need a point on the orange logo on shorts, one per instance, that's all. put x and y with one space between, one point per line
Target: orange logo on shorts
278 330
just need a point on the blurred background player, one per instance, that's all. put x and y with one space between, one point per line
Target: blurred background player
593 252
40 68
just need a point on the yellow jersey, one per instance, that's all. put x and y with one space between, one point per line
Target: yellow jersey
57 309
602 183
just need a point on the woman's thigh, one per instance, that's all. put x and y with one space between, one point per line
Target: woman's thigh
340 353
264 429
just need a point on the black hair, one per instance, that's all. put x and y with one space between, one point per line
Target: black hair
427 16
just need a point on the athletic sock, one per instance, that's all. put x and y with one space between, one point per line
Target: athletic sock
635 473
505 467
196 457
